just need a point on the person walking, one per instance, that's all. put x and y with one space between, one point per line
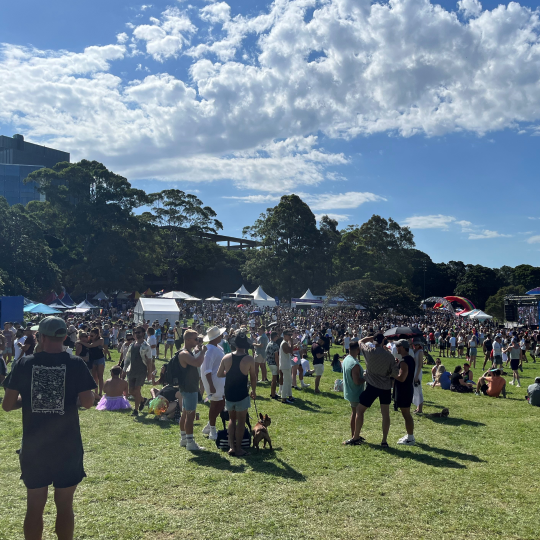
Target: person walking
50 386
404 390
138 367
260 357
418 397
235 368
213 385
317 351
272 359
353 386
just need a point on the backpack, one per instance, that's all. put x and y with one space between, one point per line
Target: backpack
173 372
338 385
222 441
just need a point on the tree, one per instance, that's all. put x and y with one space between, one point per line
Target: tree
330 237
376 250
477 284
495 303
288 257
376 297
26 267
526 275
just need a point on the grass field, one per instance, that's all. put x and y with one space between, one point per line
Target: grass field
470 476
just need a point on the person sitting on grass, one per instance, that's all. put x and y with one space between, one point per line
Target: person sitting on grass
458 384
491 384
336 364
171 394
533 393
115 393
467 373
435 369
442 379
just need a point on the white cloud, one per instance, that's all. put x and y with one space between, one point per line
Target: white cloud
338 217
122 37
256 199
470 8
165 38
400 67
144 7
351 199
533 240
487 234
534 218
437 221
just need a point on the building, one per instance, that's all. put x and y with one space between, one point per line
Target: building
18 159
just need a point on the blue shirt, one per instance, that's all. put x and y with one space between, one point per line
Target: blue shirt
445 380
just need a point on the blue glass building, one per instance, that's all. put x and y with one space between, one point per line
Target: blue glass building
18 159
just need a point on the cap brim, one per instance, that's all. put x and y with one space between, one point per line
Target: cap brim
34 328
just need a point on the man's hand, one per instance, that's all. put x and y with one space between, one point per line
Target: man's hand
212 389
253 394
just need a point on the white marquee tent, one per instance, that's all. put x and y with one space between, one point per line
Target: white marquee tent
261 299
177 294
213 299
156 308
480 316
242 290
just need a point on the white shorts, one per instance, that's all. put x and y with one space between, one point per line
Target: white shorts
260 359
219 385
273 370
318 370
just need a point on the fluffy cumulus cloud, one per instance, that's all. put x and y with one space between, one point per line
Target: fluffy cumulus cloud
165 37
260 86
533 240
434 221
487 234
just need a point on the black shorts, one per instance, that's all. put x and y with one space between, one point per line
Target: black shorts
484 388
177 344
404 401
371 393
61 474
514 364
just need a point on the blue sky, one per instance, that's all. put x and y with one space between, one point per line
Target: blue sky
425 113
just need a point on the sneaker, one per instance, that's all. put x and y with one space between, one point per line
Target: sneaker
135 413
212 436
206 429
183 442
511 382
304 385
275 397
287 401
296 387
143 403
518 385
477 393
163 418
192 446
406 441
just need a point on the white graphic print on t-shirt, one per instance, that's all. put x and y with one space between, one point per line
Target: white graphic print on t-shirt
48 389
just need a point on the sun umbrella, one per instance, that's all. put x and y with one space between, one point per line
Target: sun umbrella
256 312
402 331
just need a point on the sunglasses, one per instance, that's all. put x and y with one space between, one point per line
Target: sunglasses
130 339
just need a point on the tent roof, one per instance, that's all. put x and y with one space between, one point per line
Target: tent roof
242 290
86 305
77 310
122 296
58 304
308 295
101 296
213 299
176 294
157 304
536 290
41 308
67 300
481 315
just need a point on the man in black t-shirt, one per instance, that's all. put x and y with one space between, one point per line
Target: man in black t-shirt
404 390
47 386
487 346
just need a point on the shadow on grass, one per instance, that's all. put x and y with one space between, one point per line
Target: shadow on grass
450 453
426 459
434 405
153 420
453 421
308 406
262 461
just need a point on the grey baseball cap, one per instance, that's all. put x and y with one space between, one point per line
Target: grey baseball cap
52 327
403 343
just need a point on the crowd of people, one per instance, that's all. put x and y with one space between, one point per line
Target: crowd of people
220 353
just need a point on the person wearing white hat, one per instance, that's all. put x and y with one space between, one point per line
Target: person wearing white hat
214 386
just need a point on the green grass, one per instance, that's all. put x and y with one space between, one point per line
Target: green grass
472 475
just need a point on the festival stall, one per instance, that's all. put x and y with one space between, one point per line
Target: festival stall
156 309
42 309
177 295
261 299
85 304
480 315
307 300
101 296
212 299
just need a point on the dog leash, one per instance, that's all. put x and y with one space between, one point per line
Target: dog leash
256 411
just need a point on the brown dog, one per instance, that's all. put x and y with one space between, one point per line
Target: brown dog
260 432
443 414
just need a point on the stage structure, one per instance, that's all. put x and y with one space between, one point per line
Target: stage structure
522 309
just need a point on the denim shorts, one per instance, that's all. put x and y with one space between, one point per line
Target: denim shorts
189 401
99 362
472 351
238 406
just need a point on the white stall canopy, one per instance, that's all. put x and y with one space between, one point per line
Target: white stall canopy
156 309
261 299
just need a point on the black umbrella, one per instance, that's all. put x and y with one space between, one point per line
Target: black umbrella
402 331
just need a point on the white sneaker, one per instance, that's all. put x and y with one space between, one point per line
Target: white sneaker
212 436
183 442
406 441
192 446
206 429
511 382
518 385
303 384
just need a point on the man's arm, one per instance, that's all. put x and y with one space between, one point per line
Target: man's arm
190 360
86 398
287 348
276 359
355 374
222 367
12 400
418 370
403 372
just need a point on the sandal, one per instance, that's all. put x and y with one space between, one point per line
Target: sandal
384 445
354 442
